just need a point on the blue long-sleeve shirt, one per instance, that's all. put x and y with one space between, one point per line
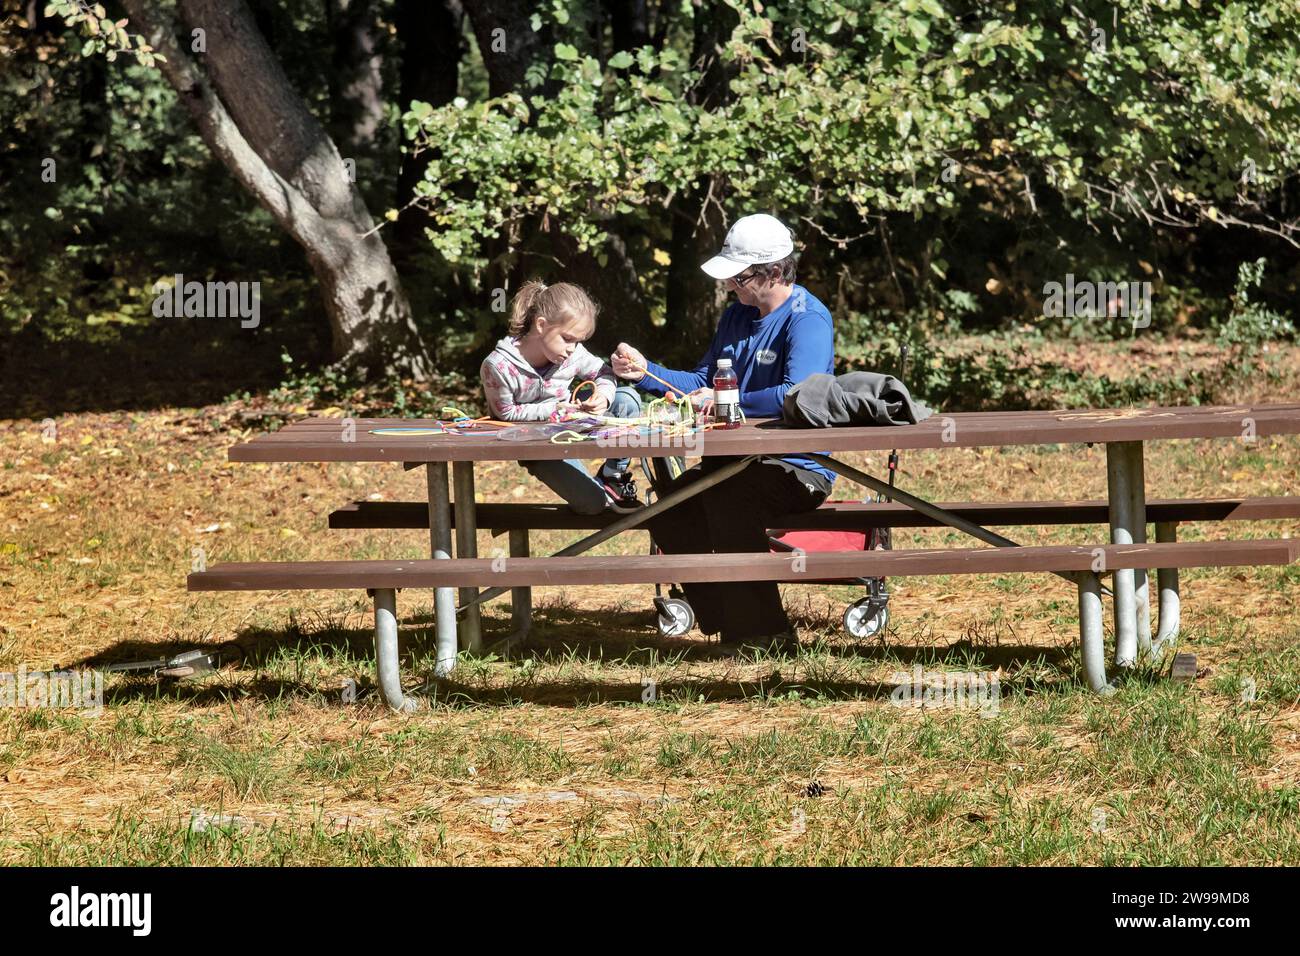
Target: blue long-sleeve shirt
770 355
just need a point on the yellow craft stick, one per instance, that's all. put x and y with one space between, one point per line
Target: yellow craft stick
672 389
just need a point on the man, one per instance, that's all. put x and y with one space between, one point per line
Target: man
776 334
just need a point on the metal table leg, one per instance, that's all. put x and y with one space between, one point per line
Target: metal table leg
521 602
444 607
1170 605
521 599
462 472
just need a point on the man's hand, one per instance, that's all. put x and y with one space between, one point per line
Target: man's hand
628 363
702 400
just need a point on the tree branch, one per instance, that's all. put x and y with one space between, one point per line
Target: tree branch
289 207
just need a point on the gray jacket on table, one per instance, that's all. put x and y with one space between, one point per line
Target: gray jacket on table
856 398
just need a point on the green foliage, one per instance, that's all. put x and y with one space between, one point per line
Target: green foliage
1250 324
939 159
915 108
103 35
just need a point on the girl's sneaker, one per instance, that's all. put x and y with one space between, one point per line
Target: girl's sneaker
621 492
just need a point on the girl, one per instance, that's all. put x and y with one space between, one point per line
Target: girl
529 374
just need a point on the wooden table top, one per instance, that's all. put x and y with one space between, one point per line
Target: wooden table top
323 439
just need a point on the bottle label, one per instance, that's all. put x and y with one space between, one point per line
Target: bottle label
726 406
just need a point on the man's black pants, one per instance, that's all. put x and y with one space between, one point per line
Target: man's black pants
733 516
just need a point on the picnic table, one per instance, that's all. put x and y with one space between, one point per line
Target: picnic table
1126 557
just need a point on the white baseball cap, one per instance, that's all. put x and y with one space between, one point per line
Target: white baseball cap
752 240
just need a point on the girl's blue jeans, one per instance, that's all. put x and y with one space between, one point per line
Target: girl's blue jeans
568 477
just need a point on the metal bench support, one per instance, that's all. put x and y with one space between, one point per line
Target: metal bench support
1092 634
1141 578
521 599
1126 490
387 667
927 508
521 602
634 518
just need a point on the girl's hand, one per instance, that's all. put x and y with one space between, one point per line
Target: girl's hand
628 363
597 404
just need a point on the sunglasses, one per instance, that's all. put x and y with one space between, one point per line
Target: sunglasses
742 280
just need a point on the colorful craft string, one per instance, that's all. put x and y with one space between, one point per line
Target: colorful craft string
567 437
678 422
460 420
685 409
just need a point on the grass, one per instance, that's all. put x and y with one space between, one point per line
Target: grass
560 756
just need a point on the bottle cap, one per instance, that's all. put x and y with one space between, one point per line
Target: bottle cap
724 363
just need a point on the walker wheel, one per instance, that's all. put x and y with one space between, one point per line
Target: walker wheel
866 617
675 616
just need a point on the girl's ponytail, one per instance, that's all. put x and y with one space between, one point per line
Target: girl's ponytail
526 307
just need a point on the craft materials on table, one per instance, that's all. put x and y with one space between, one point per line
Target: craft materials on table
459 424
665 419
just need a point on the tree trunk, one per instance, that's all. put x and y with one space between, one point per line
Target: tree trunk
259 127
429 32
507 42
693 300
624 312
356 81
629 24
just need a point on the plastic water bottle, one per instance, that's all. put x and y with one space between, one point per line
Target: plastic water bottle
726 396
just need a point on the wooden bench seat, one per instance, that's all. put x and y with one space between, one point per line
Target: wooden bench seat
384 578
654 568
836 515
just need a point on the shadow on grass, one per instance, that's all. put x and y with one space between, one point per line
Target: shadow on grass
270 665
